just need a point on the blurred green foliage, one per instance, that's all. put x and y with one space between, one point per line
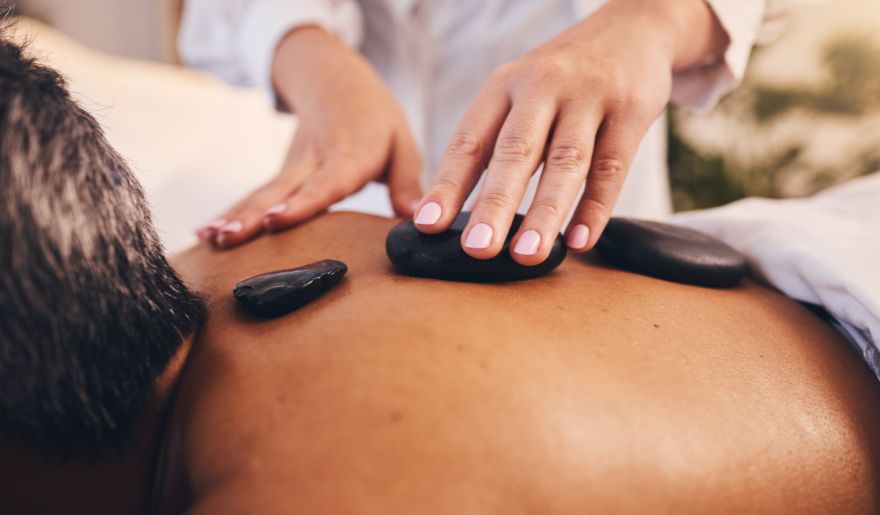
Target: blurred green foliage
850 90
851 86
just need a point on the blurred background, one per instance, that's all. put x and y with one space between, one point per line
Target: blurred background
807 116
143 29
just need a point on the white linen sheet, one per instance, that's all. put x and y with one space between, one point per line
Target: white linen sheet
823 250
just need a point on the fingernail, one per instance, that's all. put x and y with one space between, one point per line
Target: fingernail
528 243
479 237
429 214
579 236
276 209
204 232
233 226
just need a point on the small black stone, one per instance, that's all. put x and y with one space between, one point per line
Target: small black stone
278 293
440 256
671 252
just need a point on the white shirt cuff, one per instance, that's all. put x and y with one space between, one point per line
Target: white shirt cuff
701 88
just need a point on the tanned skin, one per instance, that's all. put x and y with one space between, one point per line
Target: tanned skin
591 390
36 480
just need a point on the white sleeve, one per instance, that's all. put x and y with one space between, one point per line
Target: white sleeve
747 22
236 39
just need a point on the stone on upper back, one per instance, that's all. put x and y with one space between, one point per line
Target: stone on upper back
671 252
440 256
278 293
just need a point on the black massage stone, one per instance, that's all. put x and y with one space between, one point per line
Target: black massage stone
278 293
440 256
671 252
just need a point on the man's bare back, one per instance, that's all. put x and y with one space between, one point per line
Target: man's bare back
589 390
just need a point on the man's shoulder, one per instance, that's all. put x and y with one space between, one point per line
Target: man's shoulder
401 392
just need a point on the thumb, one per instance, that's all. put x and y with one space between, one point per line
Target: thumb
405 177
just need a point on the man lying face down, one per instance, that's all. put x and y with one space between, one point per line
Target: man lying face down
92 311
589 390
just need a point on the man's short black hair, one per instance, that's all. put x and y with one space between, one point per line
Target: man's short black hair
90 310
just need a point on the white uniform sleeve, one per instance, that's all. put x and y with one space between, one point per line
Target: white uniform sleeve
236 39
747 22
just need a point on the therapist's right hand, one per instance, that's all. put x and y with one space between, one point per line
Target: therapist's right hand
351 131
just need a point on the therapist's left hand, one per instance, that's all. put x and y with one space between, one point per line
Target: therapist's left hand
580 104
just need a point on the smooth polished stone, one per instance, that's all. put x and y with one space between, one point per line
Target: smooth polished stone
440 256
671 252
278 293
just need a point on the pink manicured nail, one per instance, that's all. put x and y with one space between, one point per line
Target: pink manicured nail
429 214
276 209
206 231
479 237
233 226
528 243
579 236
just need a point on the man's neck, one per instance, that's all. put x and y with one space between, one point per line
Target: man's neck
112 481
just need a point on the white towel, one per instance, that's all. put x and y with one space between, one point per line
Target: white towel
824 250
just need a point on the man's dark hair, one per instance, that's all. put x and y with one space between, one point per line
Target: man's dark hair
90 310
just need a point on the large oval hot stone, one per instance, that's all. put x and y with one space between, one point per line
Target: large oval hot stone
440 256
671 252
278 293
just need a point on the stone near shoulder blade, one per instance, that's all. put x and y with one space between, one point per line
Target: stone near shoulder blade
440 256
278 293
671 252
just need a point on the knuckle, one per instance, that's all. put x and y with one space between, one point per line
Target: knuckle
613 80
566 158
638 107
497 200
309 193
625 101
639 103
465 144
595 210
548 209
444 185
500 75
513 148
548 69
608 169
329 193
600 82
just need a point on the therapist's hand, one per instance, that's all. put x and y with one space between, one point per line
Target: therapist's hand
580 104
351 131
